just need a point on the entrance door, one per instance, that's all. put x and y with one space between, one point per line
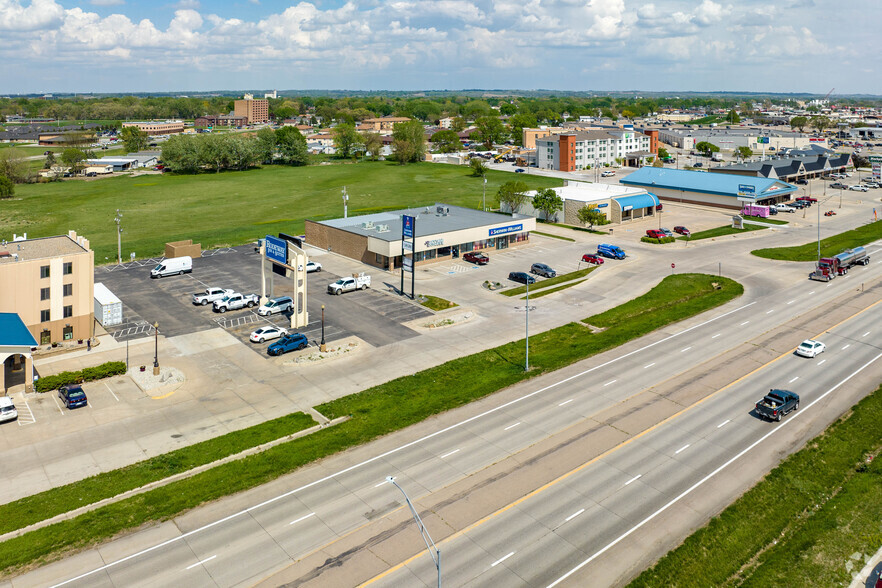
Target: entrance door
501 243
454 251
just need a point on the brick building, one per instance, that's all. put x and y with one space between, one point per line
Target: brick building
254 111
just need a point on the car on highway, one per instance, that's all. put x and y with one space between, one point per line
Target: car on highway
810 348
681 230
591 258
476 258
313 266
72 396
292 342
541 269
266 333
522 277
776 404
859 188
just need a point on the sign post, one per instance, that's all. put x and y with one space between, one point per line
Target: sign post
408 231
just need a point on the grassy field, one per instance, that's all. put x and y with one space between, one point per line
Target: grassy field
232 208
830 246
720 232
827 505
539 285
375 412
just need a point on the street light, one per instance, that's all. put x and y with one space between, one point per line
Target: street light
484 196
430 545
156 349
527 355
322 348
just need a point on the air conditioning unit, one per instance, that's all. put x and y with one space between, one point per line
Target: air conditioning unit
382 228
367 225
444 210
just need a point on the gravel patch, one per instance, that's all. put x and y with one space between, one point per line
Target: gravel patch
147 381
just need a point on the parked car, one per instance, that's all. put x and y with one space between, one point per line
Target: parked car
288 343
235 301
667 232
541 269
681 230
807 199
173 266
522 277
859 188
611 251
266 333
773 211
654 234
351 283
7 409
520 170
800 204
591 258
72 396
607 174
210 295
810 348
313 266
697 164
276 305
784 208
801 181
839 186
476 258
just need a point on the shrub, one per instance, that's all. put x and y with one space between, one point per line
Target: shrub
105 370
657 241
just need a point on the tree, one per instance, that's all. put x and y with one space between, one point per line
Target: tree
409 142
181 154
657 163
798 122
859 162
13 165
265 149
134 139
513 194
706 148
73 158
446 141
548 201
591 215
491 130
373 144
479 167
733 117
518 123
744 152
50 160
292 146
458 124
663 153
7 187
820 123
346 139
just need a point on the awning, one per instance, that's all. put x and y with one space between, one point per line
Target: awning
639 201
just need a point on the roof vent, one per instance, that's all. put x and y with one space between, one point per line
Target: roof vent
367 225
443 210
382 228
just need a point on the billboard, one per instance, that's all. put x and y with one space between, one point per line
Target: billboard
276 249
762 139
407 227
876 164
746 190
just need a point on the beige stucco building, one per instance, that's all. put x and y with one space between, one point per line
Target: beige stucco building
153 127
49 283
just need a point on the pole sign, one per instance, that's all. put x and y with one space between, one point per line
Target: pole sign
746 190
408 264
762 140
408 246
876 163
406 227
276 249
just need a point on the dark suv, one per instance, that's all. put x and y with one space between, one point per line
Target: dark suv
522 277
72 396
540 269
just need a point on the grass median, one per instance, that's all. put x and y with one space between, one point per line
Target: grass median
800 525
376 412
720 232
547 283
761 219
829 247
434 302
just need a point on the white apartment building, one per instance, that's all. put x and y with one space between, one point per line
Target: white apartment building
583 149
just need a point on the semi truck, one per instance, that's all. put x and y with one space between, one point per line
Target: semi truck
838 265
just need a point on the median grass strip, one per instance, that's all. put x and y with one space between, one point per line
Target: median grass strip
553 236
45 505
550 281
720 232
799 525
375 412
829 247
542 293
434 302
759 219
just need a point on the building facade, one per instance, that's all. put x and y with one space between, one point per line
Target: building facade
168 127
254 111
48 282
386 123
618 204
586 149
223 120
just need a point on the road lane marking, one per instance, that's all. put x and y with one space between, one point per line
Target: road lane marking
111 391
793 380
393 451
701 482
681 449
634 479
791 302
610 382
302 518
744 323
449 454
199 563
566 402
512 426
865 334
717 335
574 515
724 423
381 483
846 347
822 361
770 311
501 559
649 366
687 349
812 292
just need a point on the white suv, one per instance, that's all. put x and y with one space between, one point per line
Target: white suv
7 409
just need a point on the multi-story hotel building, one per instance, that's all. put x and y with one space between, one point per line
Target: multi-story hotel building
255 111
152 127
583 149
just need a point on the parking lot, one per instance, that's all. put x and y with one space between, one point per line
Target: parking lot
373 315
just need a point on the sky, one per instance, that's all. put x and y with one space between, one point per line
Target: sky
579 45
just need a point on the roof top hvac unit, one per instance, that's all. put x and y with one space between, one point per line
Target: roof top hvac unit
442 210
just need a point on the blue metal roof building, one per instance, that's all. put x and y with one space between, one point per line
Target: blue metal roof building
709 189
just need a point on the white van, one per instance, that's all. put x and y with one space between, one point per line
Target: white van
173 266
274 305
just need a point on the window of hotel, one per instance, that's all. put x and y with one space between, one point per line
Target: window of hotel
44 271
44 293
44 316
68 289
68 311
68 268
68 333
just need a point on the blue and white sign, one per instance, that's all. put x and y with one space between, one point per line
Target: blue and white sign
407 223
602 205
506 230
276 249
746 190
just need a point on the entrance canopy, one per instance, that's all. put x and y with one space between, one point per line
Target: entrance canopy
15 340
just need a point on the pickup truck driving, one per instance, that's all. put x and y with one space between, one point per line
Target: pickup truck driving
236 301
210 295
354 282
776 404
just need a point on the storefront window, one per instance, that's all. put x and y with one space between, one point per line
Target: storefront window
45 337
501 243
68 333
443 251
466 247
518 237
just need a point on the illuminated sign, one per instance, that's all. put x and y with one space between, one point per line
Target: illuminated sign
506 230
276 249
407 223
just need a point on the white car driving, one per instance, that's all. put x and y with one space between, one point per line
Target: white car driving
266 333
810 348
313 266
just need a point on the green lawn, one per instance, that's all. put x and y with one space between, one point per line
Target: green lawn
720 232
542 293
800 525
232 208
553 236
435 302
830 246
550 281
759 219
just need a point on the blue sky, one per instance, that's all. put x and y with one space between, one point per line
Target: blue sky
658 45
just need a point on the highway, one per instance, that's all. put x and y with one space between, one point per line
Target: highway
625 447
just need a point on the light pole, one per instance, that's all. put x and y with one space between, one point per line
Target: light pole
484 196
118 219
345 202
323 348
155 349
430 545
527 355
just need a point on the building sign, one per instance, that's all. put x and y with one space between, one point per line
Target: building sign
435 243
506 230
408 264
408 245
762 140
876 163
816 140
627 208
276 249
406 227
747 190
604 205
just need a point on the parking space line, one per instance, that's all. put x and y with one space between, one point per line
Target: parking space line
55 400
32 418
111 391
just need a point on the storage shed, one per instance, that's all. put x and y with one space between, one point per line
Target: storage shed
108 308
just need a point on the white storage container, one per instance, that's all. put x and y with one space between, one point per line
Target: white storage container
108 308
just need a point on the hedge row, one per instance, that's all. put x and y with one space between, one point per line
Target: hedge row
657 241
105 370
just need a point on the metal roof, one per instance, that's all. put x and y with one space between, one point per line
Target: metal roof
707 182
639 201
13 332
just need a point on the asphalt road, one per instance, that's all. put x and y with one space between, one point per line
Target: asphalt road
314 515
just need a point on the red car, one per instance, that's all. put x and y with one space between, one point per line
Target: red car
476 258
655 234
591 258
807 199
681 230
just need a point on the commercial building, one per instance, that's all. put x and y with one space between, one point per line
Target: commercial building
709 189
619 204
443 232
48 282
790 169
168 127
223 120
382 124
578 150
254 111
529 136
730 138
123 163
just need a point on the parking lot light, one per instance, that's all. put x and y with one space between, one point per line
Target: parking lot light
322 348
155 349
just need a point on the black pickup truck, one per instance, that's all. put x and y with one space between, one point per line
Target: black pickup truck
776 404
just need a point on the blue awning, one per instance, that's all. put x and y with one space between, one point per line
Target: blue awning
639 201
13 332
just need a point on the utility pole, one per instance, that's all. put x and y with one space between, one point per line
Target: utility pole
345 202
484 196
117 220
527 308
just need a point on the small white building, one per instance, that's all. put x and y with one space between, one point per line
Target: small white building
617 203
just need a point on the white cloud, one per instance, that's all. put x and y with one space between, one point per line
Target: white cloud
38 15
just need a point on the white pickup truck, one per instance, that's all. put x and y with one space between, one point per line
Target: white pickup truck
348 284
210 295
236 301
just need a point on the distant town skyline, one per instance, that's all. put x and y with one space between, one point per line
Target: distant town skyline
108 46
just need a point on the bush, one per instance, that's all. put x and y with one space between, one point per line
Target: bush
657 241
89 374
